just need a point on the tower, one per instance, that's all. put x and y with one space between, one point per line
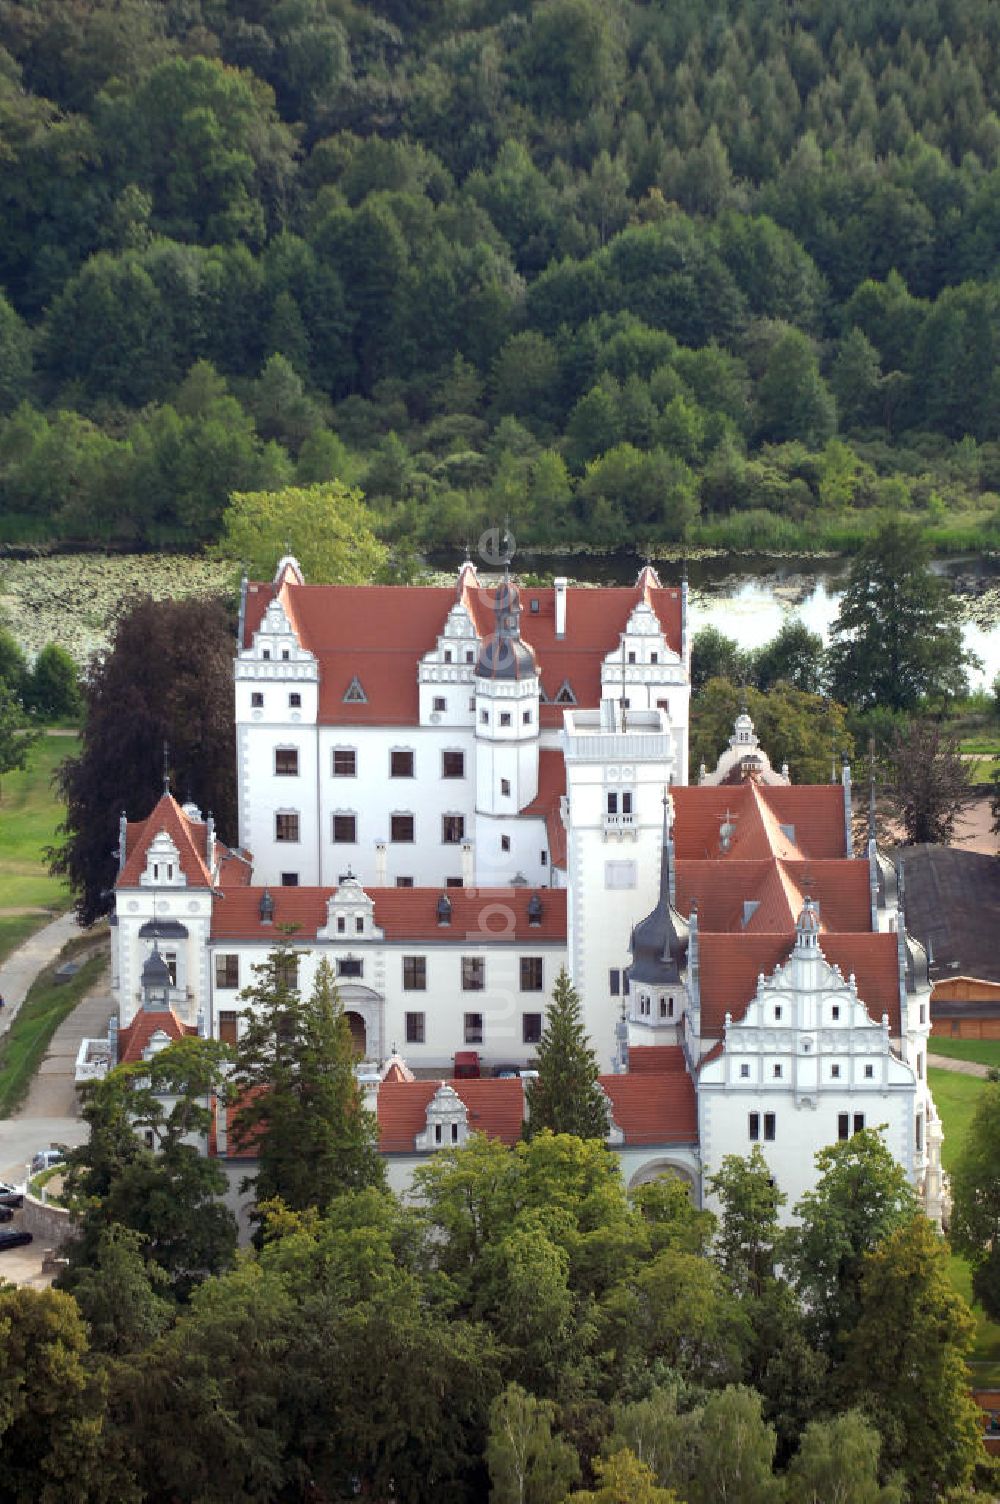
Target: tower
507 696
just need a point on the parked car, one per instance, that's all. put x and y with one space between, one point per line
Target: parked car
14 1239
45 1159
10 1195
6 1214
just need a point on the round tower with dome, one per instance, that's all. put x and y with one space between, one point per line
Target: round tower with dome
507 700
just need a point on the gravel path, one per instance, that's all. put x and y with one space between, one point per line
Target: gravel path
963 1067
21 967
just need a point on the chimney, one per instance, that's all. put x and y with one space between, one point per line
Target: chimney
381 863
560 585
468 876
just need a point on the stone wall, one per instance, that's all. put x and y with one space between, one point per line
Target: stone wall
49 1224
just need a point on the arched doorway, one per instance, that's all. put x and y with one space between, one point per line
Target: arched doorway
658 1168
359 1035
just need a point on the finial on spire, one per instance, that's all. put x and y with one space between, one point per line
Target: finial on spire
166 766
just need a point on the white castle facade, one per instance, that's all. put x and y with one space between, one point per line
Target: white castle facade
450 794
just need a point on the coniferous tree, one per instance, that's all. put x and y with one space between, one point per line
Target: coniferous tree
300 1105
566 1096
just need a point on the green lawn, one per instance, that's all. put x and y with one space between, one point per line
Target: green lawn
29 814
23 1047
983 1051
956 1098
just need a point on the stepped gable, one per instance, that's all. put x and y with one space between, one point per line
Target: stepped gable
655 1108
796 822
379 633
189 836
478 915
730 965
546 803
494 1107
134 1039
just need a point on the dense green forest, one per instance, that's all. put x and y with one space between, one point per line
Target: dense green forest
715 272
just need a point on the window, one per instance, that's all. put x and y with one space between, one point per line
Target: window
543 858
452 764
612 804
416 1028
505 787
341 925
404 882
345 762
835 1072
350 966
859 1122
295 700
354 694
654 657
473 973
414 973
286 762
285 654
440 703
666 1007
835 1011
923 1013
228 1027
286 827
470 656
564 694
256 699
843 1125
626 803
754 1127
345 829
452 829
401 827
744 1071
359 926
531 973
473 1028
531 1027
631 657
454 882
615 981
170 961
777 1073
401 764
447 655
920 1133
769 1125
289 879
266 653
869 1073
526 718
505 717
777 1015
505 843
227 971
484 718
286 970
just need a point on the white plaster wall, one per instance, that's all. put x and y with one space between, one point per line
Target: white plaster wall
528 839
135 907
443 1002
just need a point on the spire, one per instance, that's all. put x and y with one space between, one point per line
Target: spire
166 766
667 874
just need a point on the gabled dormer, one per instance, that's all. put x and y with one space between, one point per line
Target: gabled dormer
447 1121
163 864
446 674
350 915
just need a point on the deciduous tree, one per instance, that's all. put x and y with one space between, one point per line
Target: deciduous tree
167 681
837 1463
928 783
528 1465
975 1187
327 527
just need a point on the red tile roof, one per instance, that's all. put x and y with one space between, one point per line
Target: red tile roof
655 1109
379 633
551 788
814 812
731 964
189 836
134 1039
495 1108
653 1059
721 888
478 915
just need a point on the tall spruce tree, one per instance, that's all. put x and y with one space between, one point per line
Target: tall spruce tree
566 1096
300 1103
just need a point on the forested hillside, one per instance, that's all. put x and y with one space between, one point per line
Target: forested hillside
723 272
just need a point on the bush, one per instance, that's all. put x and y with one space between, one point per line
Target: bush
52 689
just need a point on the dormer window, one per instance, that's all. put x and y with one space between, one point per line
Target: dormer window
444 909
354 694
266 909
564 694
534 910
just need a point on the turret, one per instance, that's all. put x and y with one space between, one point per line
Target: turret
507 698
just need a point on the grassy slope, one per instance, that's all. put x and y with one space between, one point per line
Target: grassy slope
23 1048
29 814
982 1051
956 1098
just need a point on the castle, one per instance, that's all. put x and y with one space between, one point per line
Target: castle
451 793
